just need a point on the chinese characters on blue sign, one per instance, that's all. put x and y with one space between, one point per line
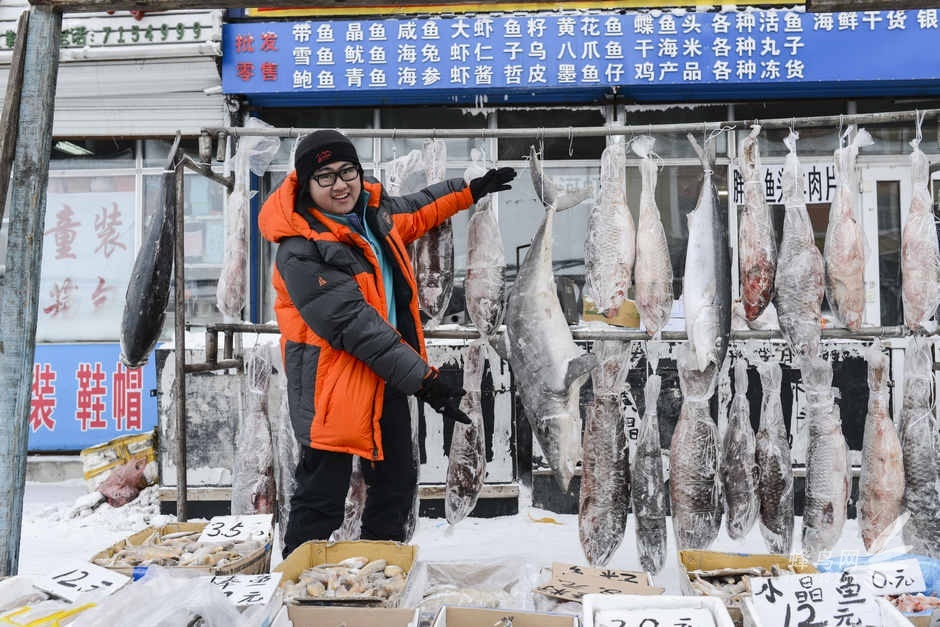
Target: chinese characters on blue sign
362 60
82 395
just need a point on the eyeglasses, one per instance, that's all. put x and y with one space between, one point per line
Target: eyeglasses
327 179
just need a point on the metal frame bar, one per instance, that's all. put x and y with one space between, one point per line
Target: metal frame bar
588 131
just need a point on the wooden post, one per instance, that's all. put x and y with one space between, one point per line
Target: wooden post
11 110
19 296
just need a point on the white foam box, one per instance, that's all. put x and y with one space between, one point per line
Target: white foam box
450 616
890 616
593 604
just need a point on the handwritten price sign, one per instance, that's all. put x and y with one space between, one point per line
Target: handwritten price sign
245 590
80 578
238 528
819 599
890 577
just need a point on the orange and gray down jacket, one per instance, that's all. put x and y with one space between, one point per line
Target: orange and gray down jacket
339 349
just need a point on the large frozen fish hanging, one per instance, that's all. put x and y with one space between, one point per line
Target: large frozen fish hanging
548 366
827 465
706 285
881 480
466 460
253 486
800 278
920 254
484 285
610 244
647 483
694 459
757 243
148 291
605 473
774 464
653 270
739 472
434 252
844 249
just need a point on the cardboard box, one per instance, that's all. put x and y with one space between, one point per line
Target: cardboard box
316 552
714 560
98 461
479 617
332 616
890 616
252 564
597 602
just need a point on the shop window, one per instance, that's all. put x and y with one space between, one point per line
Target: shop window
889 251
813 141
340 118
89 246
676 145
513 148
91 154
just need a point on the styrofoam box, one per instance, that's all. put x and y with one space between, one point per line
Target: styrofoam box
890 616
592 603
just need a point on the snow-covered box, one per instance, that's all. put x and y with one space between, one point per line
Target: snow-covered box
890 616
631 610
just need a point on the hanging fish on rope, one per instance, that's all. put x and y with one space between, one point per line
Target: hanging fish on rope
610 245
800 280
881 480
647 483
466 460
253 486
548 366
920 254
484 285
653 270
433 254
775 465
739 472
605 471
757 242
844 250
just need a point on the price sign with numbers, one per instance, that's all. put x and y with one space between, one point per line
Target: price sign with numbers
818 599
893 577
238 528
245 590
81 578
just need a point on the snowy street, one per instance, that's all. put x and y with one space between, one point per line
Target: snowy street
537 536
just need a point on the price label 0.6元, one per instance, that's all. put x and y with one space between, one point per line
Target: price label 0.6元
255 527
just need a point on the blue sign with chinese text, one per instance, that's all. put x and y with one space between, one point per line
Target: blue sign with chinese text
83 395
641 56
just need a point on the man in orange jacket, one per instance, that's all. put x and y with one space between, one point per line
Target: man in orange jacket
351 335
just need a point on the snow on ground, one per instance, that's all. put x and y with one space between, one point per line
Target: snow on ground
538 536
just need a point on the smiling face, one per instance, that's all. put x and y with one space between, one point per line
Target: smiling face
342 195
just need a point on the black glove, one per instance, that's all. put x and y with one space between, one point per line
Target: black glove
495 180
442 398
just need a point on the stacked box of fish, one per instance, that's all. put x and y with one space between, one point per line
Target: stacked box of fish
177 546
353 579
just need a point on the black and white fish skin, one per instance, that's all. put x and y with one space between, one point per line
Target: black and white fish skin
919 451
610 243
775 465
648 488
605 472
800 281
706 284
549 368
695 458
466 460
434 252
148 290
484 285
827 467
652 274
739 472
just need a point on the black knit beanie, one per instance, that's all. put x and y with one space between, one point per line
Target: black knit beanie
321 148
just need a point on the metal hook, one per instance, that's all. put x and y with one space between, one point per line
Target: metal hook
570 142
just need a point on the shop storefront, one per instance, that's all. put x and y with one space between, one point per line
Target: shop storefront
535 70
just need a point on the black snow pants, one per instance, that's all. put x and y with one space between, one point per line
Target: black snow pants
322 481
